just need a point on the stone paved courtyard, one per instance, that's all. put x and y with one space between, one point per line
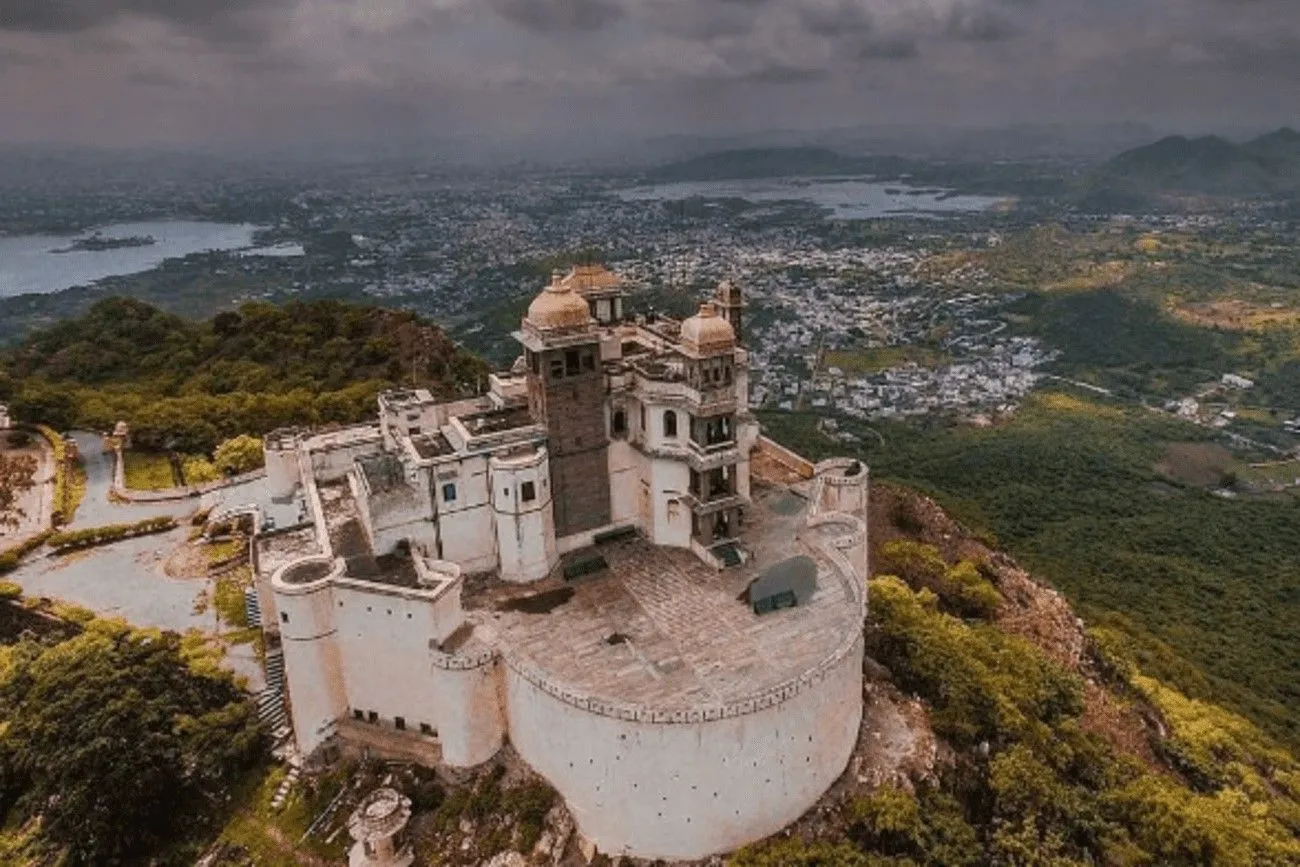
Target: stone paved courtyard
660 627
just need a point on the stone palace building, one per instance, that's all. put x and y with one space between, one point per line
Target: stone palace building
600 561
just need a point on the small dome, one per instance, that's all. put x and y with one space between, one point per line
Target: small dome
558 306
591 278
706 332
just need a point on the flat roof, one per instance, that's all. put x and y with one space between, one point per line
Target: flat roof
661 629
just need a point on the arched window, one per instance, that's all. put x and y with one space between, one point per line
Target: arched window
670 424
619 423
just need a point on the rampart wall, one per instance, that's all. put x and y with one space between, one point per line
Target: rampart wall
691 783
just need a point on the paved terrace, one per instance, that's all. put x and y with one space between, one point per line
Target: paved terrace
662 630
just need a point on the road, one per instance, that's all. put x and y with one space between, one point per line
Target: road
97 509
126 579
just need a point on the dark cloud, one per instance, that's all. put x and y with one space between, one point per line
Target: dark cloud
980 24
779 73
86 68
887 49
704 21
1276 56
154 78
554 16
835 17
71 16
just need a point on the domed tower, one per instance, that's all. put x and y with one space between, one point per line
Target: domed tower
566 394
720 489
730 305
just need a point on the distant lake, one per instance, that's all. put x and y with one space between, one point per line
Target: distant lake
846 198
34 263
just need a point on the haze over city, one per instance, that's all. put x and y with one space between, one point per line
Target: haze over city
595 73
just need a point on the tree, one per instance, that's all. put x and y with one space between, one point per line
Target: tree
113 741
15 480
40 403
239 454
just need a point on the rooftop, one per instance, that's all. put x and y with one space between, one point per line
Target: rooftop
433 445
660 628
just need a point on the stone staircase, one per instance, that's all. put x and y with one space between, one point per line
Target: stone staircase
252 608
270 701
286 786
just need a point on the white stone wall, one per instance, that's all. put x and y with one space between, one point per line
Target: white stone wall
384 641
686 790
313 666
626 469
466 526
671 519
281 470
525 530
470 717
401 514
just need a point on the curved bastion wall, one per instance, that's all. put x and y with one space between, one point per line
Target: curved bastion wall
471 727
304 599
689 782
685 784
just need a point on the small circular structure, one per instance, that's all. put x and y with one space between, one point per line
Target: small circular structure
378 825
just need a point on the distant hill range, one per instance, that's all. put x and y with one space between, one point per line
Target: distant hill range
1209 165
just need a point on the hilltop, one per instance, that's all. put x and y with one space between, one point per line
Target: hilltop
243 371
1208 165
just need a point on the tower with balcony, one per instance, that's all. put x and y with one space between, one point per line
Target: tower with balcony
719 483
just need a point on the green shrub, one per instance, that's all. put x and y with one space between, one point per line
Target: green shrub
962 589
239 454
71 540
982 683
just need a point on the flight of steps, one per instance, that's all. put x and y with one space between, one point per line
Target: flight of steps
270 701
270 704
286 786
252 608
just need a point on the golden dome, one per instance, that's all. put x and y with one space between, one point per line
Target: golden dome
591 278
707 333
558 306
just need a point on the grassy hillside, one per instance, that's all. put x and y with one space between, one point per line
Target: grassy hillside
1204 587
186 385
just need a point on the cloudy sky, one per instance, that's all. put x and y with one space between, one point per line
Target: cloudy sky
122 72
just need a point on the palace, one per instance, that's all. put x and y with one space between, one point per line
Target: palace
600 561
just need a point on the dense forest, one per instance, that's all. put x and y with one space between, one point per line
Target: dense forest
1204 587
187 385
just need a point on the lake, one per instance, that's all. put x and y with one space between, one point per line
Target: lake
845 198
35 263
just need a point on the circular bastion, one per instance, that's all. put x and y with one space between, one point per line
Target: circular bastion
676 722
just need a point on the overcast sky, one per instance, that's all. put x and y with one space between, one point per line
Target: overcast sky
123 72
